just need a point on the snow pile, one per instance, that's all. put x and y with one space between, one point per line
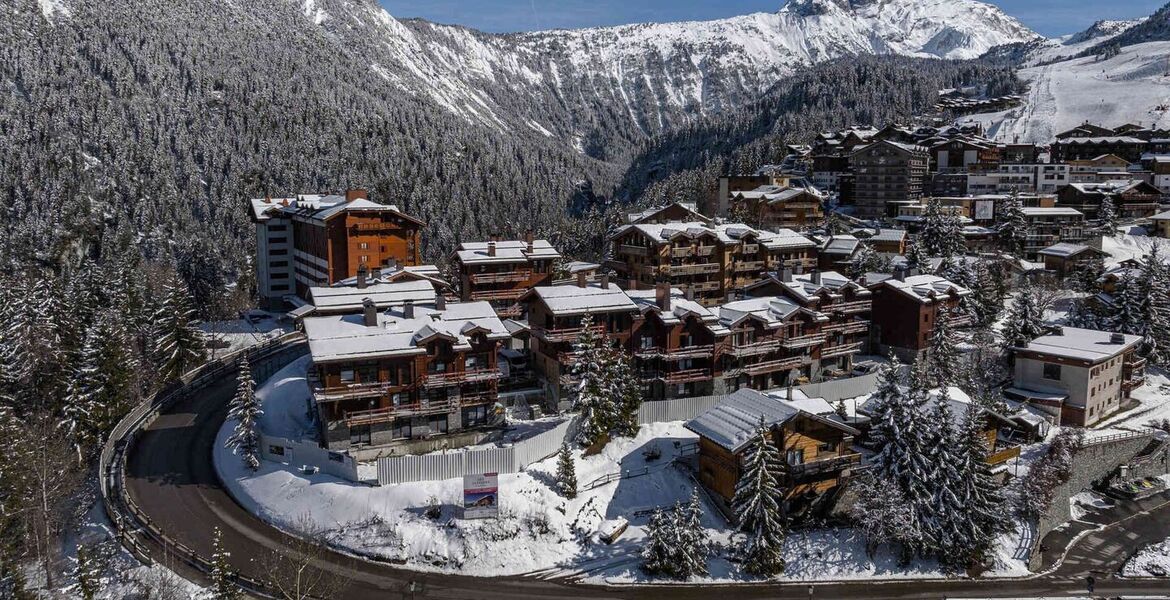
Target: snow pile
237 334
1152 561
1085 503
287 402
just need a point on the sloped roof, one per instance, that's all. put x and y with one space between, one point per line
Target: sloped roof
1067 249
773 311
680 308
734 421
333 299
925 288
508 251
571 300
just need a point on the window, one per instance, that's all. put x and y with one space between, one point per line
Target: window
474 416
364 246
438 423
827 447
359 435
278 240
276 264
647 342
795 457
280 288
368 373
279 275
400 429
278 228
437 366
280 252
364 259
347 376
276 450
1052 372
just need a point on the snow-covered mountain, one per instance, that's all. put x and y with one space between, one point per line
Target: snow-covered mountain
589 85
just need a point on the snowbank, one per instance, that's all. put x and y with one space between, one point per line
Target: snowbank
1152 561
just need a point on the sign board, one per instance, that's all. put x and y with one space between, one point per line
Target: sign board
985 210
481 496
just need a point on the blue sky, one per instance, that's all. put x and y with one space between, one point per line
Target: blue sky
1049 17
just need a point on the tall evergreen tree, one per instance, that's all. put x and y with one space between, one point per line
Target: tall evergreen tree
758 506
179 343
1156 306
1107 215
658 555
1128 314
945 521
693 545
984 510
222 576
1013 225
566 473
593 398
246 411
943 357
1025 321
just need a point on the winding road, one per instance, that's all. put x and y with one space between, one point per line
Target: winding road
170 478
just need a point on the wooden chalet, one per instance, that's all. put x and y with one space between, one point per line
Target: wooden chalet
500 272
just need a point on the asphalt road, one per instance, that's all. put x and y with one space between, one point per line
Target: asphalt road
171 477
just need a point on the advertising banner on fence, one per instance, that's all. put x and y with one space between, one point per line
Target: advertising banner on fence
481 494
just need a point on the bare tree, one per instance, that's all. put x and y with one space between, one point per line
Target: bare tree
296 573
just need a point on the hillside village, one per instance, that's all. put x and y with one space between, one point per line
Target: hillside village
891 320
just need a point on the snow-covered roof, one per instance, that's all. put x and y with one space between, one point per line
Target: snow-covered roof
1065 250
1162 216
771 310
318 207
885 234
508 251
925 288
347 337
807 288
1082 344
1120 139
680 308
726 233
959 401
571 300
336 299
802 401
579 266
397 274
733 422
1037 211
773 194
840 244
649 213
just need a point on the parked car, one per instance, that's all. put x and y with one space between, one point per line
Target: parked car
864 368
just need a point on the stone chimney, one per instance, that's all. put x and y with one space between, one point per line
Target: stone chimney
529 239
605 281
369 313
376 274
690 294
408 309
1117 338
361 277
440 302
815 277
582 280
354 194
492 248
786 275
662 296
900 274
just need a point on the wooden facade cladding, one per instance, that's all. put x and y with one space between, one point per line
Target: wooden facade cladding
903 322
682 354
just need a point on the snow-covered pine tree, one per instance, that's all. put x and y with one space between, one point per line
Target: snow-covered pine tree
82 409
92 562
179 343
986 370
915 256
1013 225
1128 314
1025 320
566 472
693 543
882 513
758 506
944 361
246 411
945 521
1107 216
977 491
593 397
934 230
627 391
889 384
1156 306
864 261
658 555
223 586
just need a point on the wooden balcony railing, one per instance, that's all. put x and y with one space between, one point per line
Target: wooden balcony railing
961 321
688 376
750 248
851 308
680 353
826 465
753 349
754 265
497 295
389 413
478 398
566 334
847 327
702 286
1133 383
841 350
699 269
803 341
502 277
682 252
634 250
450 378
323 393
704 250
1133 362
770 366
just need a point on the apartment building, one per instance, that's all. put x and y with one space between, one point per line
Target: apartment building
906 308
1049 226
773 342
319 240
1078 376
501 271
887 172
674 344
706 261
1023 178
781 207
401 378
1131 198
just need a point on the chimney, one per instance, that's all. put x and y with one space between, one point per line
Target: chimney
690 293
786 275
900 274
492 248
816 277
799 269
361 277
440 302
605 281
1117 338
582 281
356 193
408 309
529 239
369 313
662 296
632 284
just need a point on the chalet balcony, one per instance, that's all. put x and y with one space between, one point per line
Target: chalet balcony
804 341
702 286
698 269
1133 362
842 350
688 376
771 366
704 250
633 250
1133 383
685 352
682 252
513 311
479 398
1002 455
754 265
961 321
502 277
349 391
750 248
827 465
753 348
566 334
451 378
387 414
497 295
851 308
847 327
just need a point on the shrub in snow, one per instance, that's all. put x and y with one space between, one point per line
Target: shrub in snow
1049 471
881 513
222 577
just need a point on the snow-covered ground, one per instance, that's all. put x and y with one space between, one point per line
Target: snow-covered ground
1153 404
1151 561
1124 247
1132 86
238 334
1086 502
538 532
